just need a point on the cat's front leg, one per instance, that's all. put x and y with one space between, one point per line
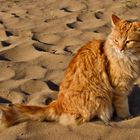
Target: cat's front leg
121 106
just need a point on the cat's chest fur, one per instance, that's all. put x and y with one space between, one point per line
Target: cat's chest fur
123 71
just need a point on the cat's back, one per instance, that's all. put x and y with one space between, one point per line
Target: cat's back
90 55
87 65
90 52
95 46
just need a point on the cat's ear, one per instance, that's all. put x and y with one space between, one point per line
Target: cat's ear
115 20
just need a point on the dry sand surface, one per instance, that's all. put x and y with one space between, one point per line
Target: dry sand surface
38 38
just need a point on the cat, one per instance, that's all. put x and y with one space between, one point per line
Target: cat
97 81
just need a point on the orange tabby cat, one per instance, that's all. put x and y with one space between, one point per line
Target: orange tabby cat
99 77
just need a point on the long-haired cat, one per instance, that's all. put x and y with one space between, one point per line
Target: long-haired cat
98 79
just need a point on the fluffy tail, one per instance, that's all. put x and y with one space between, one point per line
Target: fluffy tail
19 113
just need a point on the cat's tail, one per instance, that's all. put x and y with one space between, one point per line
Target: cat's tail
10 115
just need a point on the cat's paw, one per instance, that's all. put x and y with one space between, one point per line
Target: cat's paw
129 117
125 118
123 114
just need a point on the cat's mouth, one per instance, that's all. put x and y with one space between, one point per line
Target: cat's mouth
125 52
128 53
119 53
120 48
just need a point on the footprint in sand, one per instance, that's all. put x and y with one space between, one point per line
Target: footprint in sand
99 14
71 25
68 41
3 35
13 96
34 86
54 75
35 72
17 97
6 73
12 84
75 6
52 85
49 39
42 46
5 43
42 98
24 52
54 62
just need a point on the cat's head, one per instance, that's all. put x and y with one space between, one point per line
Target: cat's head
125 36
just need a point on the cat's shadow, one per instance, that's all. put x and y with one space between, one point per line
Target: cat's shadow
134 101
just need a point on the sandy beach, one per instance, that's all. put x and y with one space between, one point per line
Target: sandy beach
38 38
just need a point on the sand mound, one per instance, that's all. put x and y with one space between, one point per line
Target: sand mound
37 41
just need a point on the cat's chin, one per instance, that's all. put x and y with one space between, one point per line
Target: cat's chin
122 53
118 53
125 54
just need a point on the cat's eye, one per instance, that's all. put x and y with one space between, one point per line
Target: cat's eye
116 41
128 41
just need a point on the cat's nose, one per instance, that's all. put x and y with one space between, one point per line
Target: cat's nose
121 47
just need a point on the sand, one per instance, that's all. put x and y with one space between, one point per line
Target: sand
38 38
